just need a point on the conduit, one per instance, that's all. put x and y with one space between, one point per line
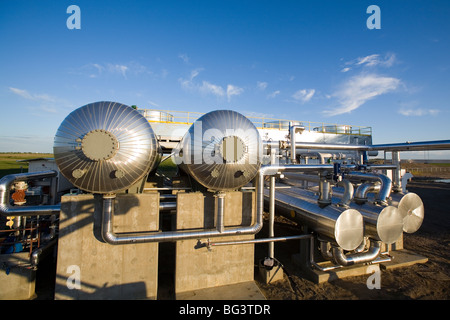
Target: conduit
5 186
113 238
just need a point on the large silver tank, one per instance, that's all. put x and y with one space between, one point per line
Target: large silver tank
222 150
105 147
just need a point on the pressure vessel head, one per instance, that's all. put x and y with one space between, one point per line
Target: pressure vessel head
222 150
105 147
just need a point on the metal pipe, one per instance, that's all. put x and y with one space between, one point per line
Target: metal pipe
292 131
348 193
5 186
37 254
262 240
363 189
386 183
271 215
407 146
345 226
111 237
167 206
351 259
219 210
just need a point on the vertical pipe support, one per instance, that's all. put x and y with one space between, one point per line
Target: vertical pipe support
396 181
219 211
272 209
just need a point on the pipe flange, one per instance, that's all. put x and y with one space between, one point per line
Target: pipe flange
232 149
99 145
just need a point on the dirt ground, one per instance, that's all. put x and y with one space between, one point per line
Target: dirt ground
428 281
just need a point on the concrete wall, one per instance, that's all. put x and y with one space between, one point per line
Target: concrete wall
17 281
201 268
106 271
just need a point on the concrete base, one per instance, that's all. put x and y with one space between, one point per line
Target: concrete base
270 275
400 258
238 291
403 258
88 267
199 268
19 282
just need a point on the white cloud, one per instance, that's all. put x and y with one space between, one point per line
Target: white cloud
370 61
359 89
207 87
184 57
273 94
95 70
35 97
418 112
118 68
304 95
233 91
261 85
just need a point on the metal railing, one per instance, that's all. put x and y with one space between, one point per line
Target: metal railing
188 117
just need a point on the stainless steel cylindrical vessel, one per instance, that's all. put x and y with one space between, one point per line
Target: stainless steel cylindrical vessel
105 147
222 150
345 226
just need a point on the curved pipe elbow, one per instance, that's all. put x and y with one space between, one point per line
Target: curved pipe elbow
348 192
5 187
385 187
351 259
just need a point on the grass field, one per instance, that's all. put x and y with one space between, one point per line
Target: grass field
9 164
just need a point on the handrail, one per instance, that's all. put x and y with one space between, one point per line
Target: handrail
188 117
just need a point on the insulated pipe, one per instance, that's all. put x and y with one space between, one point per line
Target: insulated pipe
345 226
351 259
271 246
407 146
37 254
219 210
5 186
348 193
111 237
386 183
362 191
292 131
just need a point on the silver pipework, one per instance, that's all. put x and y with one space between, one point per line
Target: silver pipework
345 226
351 259
386 183
348 193
111 237
360 196
219 210
5 186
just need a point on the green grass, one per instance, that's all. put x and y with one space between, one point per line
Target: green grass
9 164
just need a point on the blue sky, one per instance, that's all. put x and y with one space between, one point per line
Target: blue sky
302 60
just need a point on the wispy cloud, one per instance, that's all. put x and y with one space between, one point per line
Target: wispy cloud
261 85
373 60
233 90
214 89
96 70
184 57
273 94
34 97
418 112
41 101
304 95
207 87
359 89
